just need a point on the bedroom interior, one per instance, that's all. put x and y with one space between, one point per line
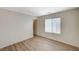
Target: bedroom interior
39 29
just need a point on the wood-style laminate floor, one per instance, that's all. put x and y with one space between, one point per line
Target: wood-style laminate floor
38 43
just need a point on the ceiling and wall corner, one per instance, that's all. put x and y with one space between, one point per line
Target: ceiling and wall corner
37 11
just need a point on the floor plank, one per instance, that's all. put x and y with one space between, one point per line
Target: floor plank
38 43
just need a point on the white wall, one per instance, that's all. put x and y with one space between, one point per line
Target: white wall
14 27
69 27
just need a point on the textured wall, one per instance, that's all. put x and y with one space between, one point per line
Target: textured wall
14 27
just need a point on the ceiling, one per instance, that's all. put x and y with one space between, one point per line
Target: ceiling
37 11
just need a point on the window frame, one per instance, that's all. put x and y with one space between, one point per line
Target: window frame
52 30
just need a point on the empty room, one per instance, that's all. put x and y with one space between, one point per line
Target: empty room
39 29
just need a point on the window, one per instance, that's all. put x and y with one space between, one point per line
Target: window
53 25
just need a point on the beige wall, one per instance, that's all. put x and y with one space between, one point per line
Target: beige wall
69 27
14 27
